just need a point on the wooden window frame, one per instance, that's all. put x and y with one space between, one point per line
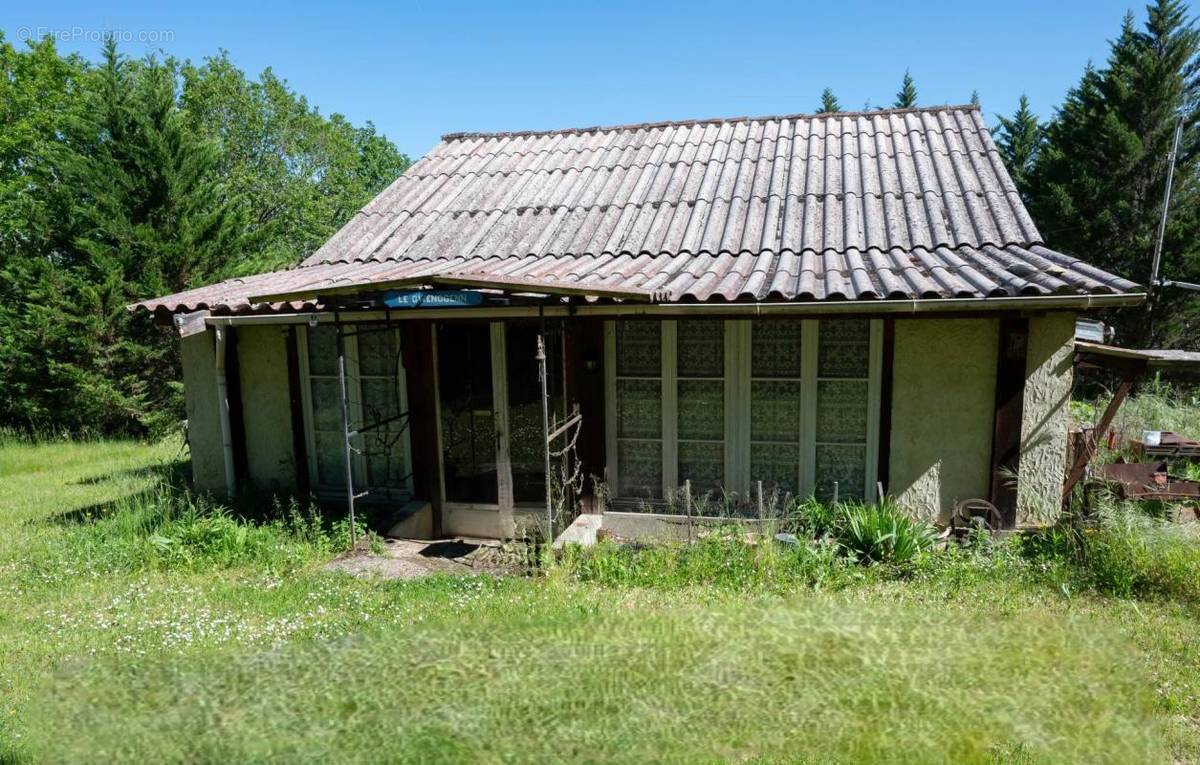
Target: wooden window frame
738 382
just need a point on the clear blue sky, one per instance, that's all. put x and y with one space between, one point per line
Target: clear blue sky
420 69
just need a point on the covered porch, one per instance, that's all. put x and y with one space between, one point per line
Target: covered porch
444 401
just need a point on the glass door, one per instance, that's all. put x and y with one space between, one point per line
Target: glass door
528 457
469 427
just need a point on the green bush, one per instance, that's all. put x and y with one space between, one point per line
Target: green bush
1123 551
725 559
882 533
169 527
810 517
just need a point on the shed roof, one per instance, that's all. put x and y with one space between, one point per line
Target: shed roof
897 204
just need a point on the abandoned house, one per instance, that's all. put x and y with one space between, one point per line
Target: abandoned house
835 304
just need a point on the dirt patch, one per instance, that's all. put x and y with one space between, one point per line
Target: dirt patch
413 559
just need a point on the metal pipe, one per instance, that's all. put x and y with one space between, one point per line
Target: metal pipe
1162 221
541 360
341 352
223 414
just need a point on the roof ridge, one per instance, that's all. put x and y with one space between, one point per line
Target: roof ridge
708 121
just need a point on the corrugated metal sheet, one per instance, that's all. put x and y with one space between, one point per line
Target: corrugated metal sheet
879 205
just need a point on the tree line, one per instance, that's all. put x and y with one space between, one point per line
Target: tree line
125 179
1094 173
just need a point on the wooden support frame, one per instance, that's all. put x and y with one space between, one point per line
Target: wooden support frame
1129 378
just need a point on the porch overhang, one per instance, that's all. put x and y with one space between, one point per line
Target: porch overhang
1100 355
635 305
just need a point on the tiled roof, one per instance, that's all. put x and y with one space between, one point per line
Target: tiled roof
901 204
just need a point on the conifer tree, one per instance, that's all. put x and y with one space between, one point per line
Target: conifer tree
829 102
1019 139
906 97
1097 185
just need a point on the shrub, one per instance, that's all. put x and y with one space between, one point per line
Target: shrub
1125 551
882 533
811 517
725 559
169 527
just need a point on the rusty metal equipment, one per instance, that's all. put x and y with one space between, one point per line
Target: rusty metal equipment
1170 445
1147 481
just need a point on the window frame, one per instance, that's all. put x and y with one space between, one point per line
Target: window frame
738 384
355 378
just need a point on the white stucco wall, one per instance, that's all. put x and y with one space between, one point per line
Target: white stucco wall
1045 418
943 400
200 400
266 407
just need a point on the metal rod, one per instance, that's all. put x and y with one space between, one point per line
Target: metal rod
570 423
341 352
1162 221
758 486
835 492
379 424
541 359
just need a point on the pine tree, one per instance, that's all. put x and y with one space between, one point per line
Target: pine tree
829 102
975 98
1019 139
152 218
906 97
1098 182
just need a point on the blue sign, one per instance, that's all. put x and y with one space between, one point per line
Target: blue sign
432 299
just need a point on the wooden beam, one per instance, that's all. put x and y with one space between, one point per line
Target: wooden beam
296 410
1009 411
1090 442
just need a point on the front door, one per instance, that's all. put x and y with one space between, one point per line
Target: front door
490 407
470 422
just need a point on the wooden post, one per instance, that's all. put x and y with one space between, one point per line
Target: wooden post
1007 417
687 501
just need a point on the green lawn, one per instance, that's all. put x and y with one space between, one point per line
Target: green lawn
124 638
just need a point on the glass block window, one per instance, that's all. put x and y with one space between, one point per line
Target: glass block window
776 393
782 401
377 393
843 408
700 402
639 409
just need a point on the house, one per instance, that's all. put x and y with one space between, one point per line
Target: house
829 304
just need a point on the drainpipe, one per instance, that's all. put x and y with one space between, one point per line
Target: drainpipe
223 414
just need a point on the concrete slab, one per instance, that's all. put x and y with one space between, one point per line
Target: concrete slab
413 559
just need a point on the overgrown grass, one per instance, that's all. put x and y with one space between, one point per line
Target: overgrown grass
230 643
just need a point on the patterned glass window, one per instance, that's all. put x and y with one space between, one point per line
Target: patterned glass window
700 402
639 409
796 413
842 408
776 393
377 394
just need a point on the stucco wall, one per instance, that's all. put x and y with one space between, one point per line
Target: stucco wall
200 400
1045 418
943 400
266 407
